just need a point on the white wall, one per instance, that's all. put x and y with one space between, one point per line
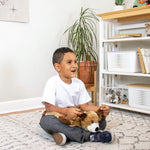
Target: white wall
100 6
26 48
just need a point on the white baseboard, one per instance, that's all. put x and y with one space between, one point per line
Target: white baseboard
20 105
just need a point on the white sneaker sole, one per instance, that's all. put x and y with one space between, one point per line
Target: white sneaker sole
113 138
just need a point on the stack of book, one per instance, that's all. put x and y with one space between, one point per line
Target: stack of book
144 57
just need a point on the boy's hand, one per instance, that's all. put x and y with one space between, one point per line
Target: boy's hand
106 110
73 112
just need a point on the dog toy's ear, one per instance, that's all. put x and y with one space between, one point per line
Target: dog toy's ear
100 114
83 115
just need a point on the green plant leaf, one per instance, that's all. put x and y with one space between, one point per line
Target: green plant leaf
82 35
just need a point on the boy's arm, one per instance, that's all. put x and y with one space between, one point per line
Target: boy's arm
88 107
70 112
52 108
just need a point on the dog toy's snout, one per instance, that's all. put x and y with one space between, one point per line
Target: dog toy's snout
97 129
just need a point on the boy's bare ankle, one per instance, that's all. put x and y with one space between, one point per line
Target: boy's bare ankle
59 138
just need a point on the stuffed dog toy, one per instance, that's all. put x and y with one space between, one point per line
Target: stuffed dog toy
88 120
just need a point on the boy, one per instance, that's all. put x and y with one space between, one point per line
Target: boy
61 93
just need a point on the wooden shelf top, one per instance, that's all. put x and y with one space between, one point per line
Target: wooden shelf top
139 85
131 14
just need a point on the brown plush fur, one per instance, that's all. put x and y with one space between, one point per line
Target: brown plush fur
83 120
91 117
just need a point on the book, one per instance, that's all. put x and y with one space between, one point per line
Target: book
146 58
141 61
129 35
119 36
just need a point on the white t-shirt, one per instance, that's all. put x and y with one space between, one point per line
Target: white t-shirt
60 94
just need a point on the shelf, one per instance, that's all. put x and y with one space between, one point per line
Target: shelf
127 107
127 39
131 14
127 21
126 74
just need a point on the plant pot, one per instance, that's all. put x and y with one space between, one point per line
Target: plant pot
86 72
118 7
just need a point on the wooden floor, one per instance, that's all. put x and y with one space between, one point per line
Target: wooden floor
24 111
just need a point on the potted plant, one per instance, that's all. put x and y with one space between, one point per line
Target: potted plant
119 4
83 40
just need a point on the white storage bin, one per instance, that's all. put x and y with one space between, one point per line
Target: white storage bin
123 61
139 95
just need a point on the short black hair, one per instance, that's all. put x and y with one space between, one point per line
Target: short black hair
59 54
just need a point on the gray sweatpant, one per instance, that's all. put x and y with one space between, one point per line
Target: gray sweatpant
52 125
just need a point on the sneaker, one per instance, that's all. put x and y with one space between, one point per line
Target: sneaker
59 138
104 137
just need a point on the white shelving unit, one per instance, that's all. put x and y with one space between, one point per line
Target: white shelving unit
122 22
